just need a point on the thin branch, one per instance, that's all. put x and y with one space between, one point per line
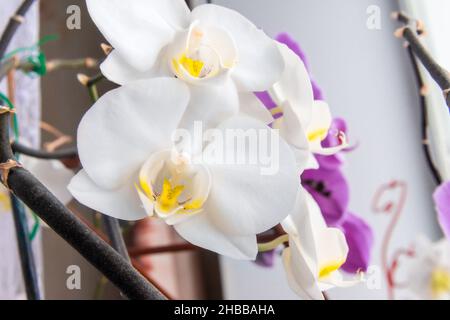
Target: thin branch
14 22
410 34
27 261
40 154
423 106
27 66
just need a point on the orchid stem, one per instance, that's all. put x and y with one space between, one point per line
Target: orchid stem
269 246
93 92
436 71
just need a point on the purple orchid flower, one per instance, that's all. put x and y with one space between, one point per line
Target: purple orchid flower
359 238
330 190
266 259
442 201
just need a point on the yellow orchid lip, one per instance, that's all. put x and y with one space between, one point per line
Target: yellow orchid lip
319 134
167 200
192 66
169 184
203 55
327 269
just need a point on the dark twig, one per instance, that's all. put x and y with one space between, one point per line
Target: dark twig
14 23
114 232
40 154
25 250
423 106
410 34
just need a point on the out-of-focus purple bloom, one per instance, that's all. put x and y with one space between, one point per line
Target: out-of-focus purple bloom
266 259
442 201
330 190
359 238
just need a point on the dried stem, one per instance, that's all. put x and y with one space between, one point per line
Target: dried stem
423 106
410 33
27 66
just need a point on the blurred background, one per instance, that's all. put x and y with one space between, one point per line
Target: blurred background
367 79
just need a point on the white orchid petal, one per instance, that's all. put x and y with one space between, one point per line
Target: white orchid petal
251 106
291 128
223 43
128 124
148 205
245 198
311 162
300 278
200 231
253 72
300 225
210 105
116 69
295 87
138 29
53 174
121 203
320 123
332 245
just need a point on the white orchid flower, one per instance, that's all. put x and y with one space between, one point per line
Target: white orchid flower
131 171
428 276
315 252
302 122
215 50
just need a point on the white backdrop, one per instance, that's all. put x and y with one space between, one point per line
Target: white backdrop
367 79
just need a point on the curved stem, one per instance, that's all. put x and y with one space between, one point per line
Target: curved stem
40 154
269 246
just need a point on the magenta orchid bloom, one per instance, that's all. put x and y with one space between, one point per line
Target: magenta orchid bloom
330 190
